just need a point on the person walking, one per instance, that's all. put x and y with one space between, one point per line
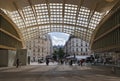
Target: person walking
81 62
71 62
78 62
47 61
17 63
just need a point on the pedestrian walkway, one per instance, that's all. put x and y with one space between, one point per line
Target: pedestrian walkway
36 63
56 73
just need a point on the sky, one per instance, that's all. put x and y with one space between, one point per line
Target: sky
59 38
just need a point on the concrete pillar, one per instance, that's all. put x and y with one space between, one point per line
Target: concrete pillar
22 56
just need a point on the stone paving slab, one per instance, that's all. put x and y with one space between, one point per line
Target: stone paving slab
56 73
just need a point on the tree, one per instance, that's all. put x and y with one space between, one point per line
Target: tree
61 53
58 54
55 55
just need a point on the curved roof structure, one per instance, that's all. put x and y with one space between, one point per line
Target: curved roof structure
76 17
10 35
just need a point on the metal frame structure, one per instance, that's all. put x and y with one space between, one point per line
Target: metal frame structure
75 17
10 35
107 35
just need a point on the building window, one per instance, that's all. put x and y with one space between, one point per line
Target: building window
81 53
86 44
76 49
38 49
81 49
73 44
76 40
86 50
73 50
33 50
76 44
81 44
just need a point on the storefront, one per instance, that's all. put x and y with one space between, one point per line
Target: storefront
108 58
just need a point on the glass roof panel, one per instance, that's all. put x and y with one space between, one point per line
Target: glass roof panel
55 17
56 12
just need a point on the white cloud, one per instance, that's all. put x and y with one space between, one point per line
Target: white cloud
59 38
58 41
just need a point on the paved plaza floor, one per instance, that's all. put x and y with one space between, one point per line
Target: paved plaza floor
56 72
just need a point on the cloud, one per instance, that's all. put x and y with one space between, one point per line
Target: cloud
59 38
58 41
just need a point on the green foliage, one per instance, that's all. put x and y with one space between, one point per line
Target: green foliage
55 55
60 54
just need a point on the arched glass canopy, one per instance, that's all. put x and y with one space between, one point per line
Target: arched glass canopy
76 17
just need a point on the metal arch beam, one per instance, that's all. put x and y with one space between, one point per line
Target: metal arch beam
78 10
34 12
7 47
31 31
90 17
50 23
56 24
46 31
33 9
82 33
14 25
63 14
48 7
26 26
79 31
32 37
81 37
16 7
22 17
11 35
72 30
66 32
24 21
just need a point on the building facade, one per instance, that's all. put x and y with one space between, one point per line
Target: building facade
76 46
39 48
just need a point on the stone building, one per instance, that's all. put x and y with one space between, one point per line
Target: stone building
76 46
39 48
